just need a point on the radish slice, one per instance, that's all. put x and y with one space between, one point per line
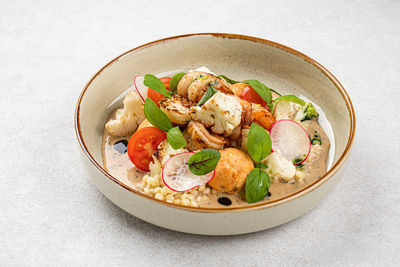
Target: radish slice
291 139
140 87
177 176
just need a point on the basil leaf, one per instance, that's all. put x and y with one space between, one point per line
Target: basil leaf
173 83
228 80
204 161
291 98
297 160
154 83
271 107
261 89
210 92
276 92
261 165
257 185
258 142
175 138
156 116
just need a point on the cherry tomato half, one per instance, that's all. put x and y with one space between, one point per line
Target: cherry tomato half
249 94
156 96
142 146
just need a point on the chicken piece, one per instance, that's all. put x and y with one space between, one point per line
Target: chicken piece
194 85
221 112
279 168
127 118
247 113
243 140
235 135
237 88
165 152
231 171
177 109
198 138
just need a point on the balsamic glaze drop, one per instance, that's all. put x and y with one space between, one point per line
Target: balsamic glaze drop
121 146
224 201
269 194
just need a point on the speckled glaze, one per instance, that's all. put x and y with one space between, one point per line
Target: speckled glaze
238 56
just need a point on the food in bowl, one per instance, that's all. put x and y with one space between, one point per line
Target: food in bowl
202 140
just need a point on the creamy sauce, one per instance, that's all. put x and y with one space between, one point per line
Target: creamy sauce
119 166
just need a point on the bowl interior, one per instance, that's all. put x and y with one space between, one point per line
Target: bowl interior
235 56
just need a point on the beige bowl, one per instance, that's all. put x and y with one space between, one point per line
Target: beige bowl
238 56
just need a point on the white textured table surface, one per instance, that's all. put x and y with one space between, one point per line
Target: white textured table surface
50 212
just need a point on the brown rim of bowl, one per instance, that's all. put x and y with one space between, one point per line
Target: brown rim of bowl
282 200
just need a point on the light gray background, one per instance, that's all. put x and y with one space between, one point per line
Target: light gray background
51 214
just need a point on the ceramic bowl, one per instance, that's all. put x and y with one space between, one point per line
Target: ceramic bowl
281 67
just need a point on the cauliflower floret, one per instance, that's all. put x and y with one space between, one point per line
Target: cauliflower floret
127 118
286 110
279 168
165 152
155 167
221 112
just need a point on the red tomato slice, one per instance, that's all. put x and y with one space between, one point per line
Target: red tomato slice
249 94
143 144
156 96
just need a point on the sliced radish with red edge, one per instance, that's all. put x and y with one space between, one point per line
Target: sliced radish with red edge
291 140
177 176
141 89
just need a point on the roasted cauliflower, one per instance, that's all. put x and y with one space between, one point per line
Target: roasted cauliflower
165 152
127 118
221 112
279 168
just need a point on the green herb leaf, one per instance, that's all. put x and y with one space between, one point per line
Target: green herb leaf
291 98
257 185
261 165
154 83
228 80
297 160
258 142
156 116
173 83
315 141
261 89
204 161
271 107
175 138
210 92
276 92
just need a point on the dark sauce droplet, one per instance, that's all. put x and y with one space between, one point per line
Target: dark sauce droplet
224 201
269 194
121 146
